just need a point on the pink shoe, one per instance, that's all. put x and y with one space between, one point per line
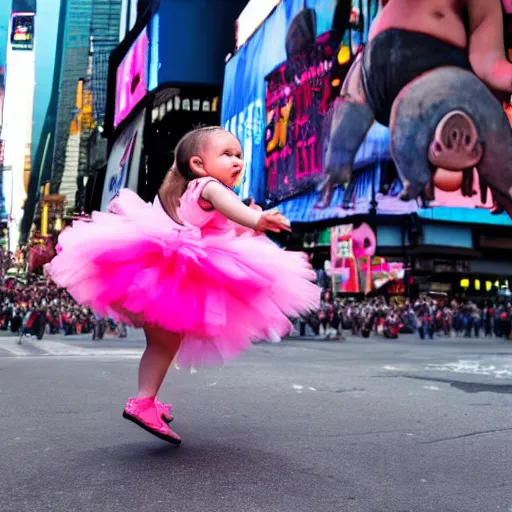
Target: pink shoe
164 410
144 412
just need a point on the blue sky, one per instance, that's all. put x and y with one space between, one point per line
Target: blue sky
46 25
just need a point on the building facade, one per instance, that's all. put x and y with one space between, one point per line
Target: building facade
88 32
18 112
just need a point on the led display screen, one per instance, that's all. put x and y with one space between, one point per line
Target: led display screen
22 32
132 78
279 88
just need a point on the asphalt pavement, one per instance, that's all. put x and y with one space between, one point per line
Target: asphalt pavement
358 426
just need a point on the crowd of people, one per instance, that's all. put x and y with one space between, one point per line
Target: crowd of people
336 318
61 313
425 316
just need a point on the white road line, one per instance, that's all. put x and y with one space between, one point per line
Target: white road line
473 367
60 349
15 349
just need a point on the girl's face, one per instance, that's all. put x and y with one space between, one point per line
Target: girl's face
222 158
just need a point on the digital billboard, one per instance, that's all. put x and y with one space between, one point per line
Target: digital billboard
354 266
268 61
22 32
124 161
278 92
132 78
18 113
251 18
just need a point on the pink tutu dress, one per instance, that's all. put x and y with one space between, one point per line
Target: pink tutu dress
219 285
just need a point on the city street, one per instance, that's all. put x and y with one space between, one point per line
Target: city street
358 426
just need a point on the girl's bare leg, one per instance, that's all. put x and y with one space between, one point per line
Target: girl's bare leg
162 347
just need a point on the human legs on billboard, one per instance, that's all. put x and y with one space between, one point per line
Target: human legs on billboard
418 81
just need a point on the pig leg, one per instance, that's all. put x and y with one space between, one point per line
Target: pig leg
351 119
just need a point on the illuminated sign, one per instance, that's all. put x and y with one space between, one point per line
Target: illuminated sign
22 32
254 14
485 285
278 90
124 161
177 103
132 78
299 96
354 266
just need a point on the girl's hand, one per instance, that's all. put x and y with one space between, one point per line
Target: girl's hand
274 221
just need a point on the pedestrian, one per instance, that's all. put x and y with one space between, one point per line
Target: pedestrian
194 269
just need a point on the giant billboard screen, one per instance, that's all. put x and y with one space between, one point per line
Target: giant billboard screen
132 78
22 32
278 92
124 161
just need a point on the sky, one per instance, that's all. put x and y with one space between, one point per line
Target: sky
46 26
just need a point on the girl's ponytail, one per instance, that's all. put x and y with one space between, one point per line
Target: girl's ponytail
169 193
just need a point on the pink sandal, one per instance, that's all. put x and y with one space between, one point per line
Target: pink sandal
145 413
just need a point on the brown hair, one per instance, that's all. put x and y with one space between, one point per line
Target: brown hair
180 174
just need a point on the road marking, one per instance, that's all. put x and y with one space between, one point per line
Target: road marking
474 368
15 349
50 348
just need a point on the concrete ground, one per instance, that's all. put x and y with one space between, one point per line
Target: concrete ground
359 426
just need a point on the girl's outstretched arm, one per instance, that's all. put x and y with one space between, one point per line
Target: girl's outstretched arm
226 202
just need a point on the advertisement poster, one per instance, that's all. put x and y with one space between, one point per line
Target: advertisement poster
354 266
278 91
124 161
245 85
132 78
299 96
22 32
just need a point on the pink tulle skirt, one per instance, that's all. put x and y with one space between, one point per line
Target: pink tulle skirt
220 291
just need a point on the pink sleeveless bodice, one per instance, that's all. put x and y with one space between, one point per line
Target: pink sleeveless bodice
193 210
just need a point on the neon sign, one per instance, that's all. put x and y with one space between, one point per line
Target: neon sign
299 95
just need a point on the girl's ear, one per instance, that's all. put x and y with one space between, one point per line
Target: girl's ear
197 166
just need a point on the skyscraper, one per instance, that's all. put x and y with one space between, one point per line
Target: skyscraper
75 59
18 111
88 32
106 18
